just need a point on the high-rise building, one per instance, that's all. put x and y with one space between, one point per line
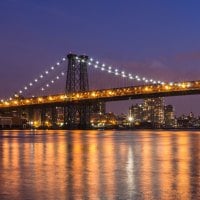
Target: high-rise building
170 120
153 111
136 113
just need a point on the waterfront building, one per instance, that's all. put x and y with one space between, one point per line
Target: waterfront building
153 111
136 114
150 113
106 120
170 121
5 122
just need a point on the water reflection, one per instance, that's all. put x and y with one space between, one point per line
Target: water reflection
99 165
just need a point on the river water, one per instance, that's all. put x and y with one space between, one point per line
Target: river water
99 165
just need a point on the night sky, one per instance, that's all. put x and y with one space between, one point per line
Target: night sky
158 39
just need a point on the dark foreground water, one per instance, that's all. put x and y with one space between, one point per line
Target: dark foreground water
99 165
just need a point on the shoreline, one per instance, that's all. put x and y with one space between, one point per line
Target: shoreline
105 129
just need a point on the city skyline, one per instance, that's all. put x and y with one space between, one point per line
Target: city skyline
151 41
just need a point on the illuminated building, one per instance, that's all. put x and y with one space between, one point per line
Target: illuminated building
60 116
153 111
103 120
150 112
136 113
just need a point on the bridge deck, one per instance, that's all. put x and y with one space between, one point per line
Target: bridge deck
135 92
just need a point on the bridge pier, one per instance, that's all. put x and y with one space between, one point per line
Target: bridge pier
77 116
85 112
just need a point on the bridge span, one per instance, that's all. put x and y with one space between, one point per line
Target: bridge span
114 94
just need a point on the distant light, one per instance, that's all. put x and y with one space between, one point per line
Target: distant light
57 77
52 81
20 92
97 62
91 59
52 67
96 66
41 76
63 59
130 119
46 72
57 63
89 63
47 85
62 73
102 69
30 84
25 88
36 80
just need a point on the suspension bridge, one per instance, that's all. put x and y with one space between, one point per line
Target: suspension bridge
77 100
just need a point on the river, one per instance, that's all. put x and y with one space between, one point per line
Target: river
99 165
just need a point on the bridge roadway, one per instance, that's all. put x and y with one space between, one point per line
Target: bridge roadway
133 92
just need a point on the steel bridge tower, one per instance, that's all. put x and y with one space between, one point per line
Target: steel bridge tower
77 115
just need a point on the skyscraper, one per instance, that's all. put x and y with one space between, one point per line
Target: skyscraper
170 120
153 111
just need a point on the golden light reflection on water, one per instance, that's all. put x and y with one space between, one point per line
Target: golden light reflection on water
99 165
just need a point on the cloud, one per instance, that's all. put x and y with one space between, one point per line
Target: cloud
186 57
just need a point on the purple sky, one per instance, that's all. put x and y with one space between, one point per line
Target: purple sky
158 39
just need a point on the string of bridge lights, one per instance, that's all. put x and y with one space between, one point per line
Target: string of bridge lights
92 62
40 78
58 77
109 69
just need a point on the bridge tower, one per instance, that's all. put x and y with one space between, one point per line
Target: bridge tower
77 115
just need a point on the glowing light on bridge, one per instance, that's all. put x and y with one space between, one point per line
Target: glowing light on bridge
120 93
122 73
41 76
103 67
